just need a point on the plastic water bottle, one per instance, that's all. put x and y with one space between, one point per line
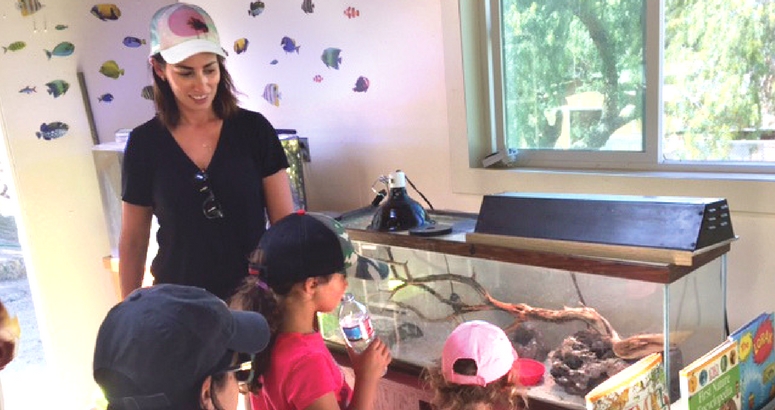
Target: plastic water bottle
355 322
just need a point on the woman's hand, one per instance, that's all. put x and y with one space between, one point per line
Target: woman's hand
372 363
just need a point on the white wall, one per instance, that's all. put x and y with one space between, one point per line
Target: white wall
62 228
410 119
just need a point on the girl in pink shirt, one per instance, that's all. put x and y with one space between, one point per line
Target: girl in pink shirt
297 270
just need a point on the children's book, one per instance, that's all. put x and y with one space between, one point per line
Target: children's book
712 382
641 386
757 361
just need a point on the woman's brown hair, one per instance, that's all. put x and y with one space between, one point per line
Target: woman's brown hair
224 104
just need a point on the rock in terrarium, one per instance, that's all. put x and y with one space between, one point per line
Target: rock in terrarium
583 361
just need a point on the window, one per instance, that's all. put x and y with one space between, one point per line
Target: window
669 85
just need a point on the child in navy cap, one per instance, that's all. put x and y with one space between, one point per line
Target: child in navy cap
176 347
299 270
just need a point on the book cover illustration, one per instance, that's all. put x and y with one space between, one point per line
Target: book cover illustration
712 382
641 386
757 361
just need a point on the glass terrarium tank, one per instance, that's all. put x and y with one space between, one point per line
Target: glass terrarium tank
585 317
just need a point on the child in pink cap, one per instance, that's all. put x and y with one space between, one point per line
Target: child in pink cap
477 370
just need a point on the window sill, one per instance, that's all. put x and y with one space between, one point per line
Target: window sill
754 193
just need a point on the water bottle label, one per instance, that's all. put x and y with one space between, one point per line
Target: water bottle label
363 331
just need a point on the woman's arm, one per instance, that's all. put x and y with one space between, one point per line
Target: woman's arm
133 246
277 192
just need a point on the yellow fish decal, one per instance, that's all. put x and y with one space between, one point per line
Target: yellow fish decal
111 69
241 45
106 11
28 7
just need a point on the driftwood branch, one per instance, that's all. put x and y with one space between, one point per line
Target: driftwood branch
633 347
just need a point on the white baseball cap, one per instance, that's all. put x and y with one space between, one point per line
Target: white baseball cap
181 30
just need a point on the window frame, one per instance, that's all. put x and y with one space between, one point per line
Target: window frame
470 124
480 40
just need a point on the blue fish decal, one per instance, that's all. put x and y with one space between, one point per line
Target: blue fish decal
361 85
28 90
273 62
133 42
272 94
52 130
331 57
289 45
256 8
62 49
107 97
57 87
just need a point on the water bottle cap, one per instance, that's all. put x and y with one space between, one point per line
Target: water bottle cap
347 297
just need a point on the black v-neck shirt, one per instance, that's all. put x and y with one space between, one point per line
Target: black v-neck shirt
194 250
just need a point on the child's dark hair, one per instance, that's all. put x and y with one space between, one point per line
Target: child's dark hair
452 396
256 296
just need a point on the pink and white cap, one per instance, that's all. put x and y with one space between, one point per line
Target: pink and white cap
484 343
181 30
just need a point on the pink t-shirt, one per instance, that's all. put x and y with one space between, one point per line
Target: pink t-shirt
301 370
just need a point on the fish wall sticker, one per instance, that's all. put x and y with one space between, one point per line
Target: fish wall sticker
111 69
351 12
241 45
62 49
256 8
273 62
15 46
133 42
28 89
107 97
331 57
60 27
318 78
28 7
272 94
52 130
57 88
147 92
361 85
289 45
308 6
106 11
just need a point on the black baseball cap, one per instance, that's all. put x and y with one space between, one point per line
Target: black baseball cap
155 348
308 244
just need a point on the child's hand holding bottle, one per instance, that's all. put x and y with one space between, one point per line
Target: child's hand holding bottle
372 363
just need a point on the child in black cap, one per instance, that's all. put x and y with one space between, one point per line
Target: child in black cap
298 270
176 347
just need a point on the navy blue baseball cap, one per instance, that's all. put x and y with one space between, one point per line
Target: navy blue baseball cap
155 348
308 244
